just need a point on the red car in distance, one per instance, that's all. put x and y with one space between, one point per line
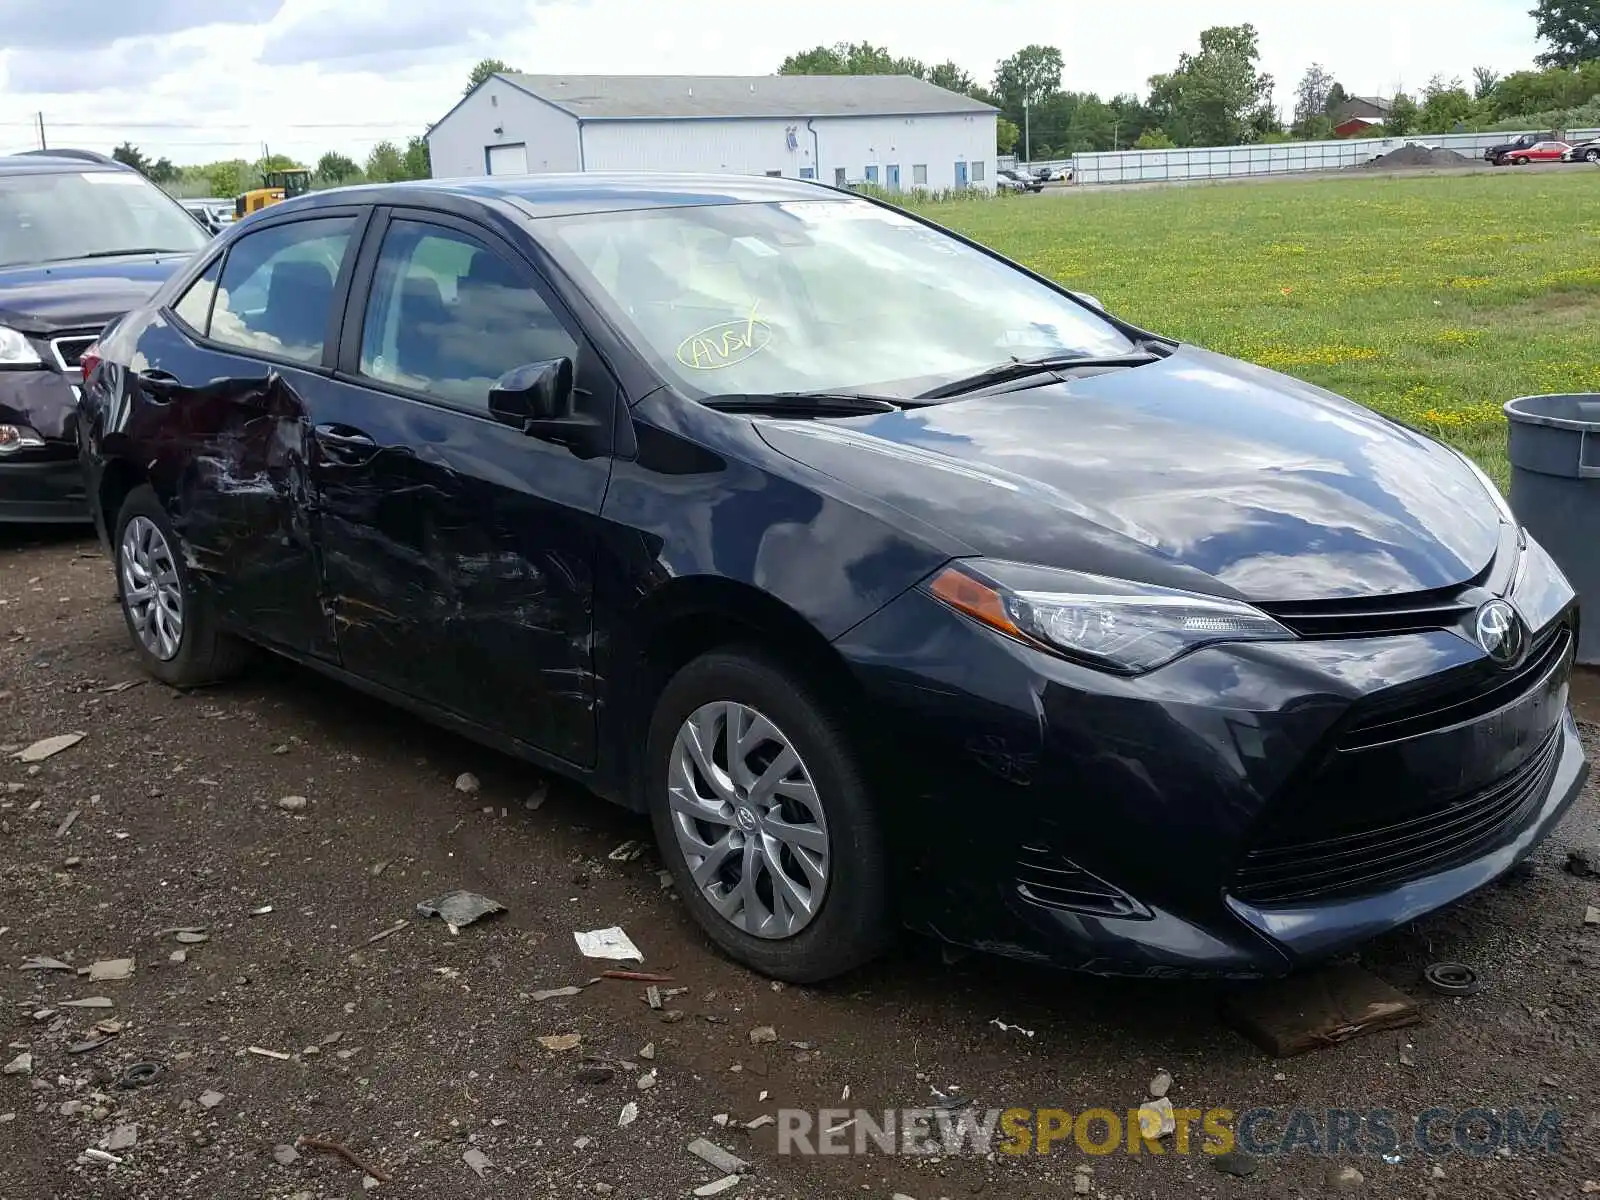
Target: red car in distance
1538 152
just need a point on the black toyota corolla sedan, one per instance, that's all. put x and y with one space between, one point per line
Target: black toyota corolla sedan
896 583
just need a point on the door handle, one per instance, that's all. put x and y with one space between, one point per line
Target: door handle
346 444
158 385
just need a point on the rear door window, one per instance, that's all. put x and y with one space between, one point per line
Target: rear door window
277 288
194 307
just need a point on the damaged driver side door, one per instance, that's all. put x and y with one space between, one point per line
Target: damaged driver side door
257 326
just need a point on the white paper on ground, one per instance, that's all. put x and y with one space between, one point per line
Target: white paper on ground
608 943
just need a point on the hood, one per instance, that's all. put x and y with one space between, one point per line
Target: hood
82 293
1198 471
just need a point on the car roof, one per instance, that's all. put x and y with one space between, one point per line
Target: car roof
34 163
570 194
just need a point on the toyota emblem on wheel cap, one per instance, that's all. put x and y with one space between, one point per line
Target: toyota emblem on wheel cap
1499 631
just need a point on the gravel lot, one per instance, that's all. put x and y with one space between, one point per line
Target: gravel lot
422 1047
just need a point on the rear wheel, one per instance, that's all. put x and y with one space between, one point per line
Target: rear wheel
173 629
763 816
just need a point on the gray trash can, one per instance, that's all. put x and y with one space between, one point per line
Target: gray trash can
1555 492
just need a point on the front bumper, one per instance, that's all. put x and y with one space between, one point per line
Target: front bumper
43 486
1242 812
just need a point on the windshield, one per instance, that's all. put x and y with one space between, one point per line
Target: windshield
817 295
49 217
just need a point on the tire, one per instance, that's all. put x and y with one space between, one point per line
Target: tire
851 923
198 652
1519 161
1591 156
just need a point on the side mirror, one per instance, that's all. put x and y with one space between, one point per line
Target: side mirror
538 391
1092 301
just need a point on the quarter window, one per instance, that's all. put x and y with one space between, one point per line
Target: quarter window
448 316
194 308
277 288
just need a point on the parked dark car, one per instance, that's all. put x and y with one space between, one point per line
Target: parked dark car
970 606
82 240
1010 179
1588 151
1501 151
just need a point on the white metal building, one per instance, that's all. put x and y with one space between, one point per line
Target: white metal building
894 130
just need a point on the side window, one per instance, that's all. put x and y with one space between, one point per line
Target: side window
194 306
448 316
277 288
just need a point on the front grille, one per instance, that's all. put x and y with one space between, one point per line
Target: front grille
1369 859
1464 702
1378 616
69 348
1053 881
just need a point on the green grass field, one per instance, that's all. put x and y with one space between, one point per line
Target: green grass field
1433 299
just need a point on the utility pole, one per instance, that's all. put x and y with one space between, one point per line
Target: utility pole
1027 133
43 145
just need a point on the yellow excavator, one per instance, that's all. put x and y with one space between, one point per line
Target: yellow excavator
276 186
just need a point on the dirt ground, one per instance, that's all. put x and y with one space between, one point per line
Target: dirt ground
421 1048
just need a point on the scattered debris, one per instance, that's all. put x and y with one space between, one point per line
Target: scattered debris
644 977
389 932
459 909
178 929
628 1115
561 1041
378 868
1318 1009
102 1157
557 993
263 1052
327 1147
1161 1084
1156 1118
609 943
1082 1181
293 804
211 1099
763 1120
1451 979
595 1071
22 1064
121 1137
477 1160
89 1002
285 1155
627 852
48 747
1235 1162
189 937
66 822
110 970
1583 863
262 911
762 1034
646 1081
40 962
1344 1179
467 782
648 1051
710 1152
140 1074
1591 915
88 1044
1004 1028
718 1186
652 997
177 956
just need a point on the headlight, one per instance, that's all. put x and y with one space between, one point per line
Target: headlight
15 350
1107 623
18 437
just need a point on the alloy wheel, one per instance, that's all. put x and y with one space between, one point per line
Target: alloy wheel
748 820
152 594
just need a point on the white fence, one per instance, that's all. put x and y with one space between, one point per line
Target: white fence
1277 158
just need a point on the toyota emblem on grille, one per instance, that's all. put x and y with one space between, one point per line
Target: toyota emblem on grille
1499 631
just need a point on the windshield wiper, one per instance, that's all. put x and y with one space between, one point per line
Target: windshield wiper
808 404
1021 368
135 250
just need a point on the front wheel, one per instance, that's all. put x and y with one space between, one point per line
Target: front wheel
1520 161
1591 156
762 814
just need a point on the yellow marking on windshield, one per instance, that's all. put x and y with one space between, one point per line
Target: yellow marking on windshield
726 343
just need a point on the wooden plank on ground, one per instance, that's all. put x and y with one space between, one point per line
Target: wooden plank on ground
1316 1009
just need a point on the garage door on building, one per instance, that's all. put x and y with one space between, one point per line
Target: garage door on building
507 160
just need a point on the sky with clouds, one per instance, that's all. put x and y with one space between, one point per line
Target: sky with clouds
197 80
